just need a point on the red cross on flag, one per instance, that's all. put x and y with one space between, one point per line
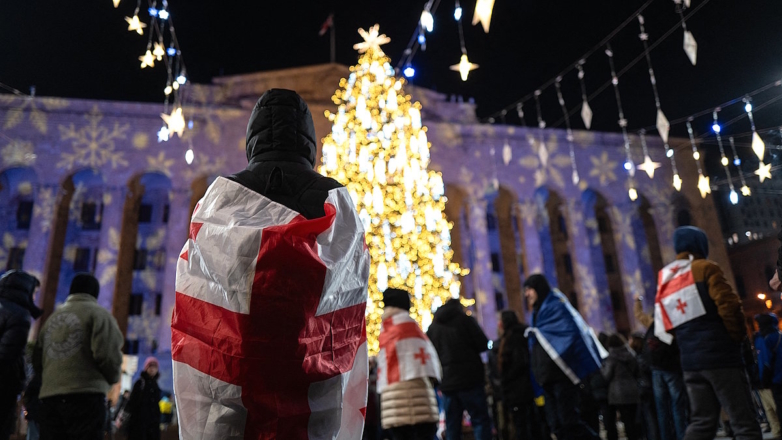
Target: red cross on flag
678 300
268 332
405 352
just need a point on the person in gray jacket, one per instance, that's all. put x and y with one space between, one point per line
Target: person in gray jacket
78 355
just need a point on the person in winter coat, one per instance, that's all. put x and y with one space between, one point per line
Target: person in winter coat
78 355
408 407
459 342
670 396
16 308
698 306
143 409
776 282
514 365
569 356
621 372
768 344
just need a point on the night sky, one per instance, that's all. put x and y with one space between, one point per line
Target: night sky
83 50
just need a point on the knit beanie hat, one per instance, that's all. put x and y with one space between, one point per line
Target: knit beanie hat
396 298
150 361
85 283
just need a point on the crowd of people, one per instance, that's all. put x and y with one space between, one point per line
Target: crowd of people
76 360
699 367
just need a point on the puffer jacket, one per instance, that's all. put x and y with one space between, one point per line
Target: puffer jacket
621 372
16 309
281 147
459 342
408 402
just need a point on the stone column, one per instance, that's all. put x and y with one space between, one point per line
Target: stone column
176 235
622 216
481 272
663 222
533 255
38 241
594 299
111 225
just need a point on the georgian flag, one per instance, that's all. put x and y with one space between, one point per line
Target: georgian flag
268 331
405 353
677 301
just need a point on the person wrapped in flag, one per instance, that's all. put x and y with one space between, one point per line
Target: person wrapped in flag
408 367
564 352
696 304
268 330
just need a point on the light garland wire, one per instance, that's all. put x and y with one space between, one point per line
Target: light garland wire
745 191
569 131
586 110
663 126
723 158
703 182
629 166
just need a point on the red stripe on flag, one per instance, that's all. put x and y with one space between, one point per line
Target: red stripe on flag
194 228
388 339
676 284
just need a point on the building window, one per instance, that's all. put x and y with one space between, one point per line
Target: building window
24 214
495 262
136 304
158 304
491 222
81 261
131 346
499 300
15 258
562 226
90 217
159 260
568 264
140 259
145 213
602 225
166 212
609 261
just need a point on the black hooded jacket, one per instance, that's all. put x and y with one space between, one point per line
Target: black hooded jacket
281 149
459 342
16 309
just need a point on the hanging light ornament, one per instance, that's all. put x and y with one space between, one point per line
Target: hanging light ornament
758 146
569 132
745 191
116 3
629 166
464 67
147 60
703 182
507 153
586 110
134 24
648 164
520 113
457 11
482 15
159 51
723 158
690 45
427 20
175 121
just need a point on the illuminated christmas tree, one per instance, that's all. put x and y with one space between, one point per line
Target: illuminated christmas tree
378 149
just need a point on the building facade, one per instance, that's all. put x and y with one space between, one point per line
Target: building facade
86 186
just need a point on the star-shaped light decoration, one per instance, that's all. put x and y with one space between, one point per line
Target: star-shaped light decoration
159 51
649 166
116 4
147 60
690 47
482 15
745 191
135 25
162 134
703 186
372 40
464 67
175 121
758 146
763 171
677 182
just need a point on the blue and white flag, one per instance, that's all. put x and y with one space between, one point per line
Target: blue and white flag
566 338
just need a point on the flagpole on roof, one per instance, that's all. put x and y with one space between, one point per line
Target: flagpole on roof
333 40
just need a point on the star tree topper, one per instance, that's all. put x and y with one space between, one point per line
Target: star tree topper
372 40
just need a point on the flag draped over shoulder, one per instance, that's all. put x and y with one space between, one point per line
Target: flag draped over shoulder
566 338
268 330
678 300
405 352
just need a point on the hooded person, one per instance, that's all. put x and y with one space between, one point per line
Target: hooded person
768 345
564 352
17 308
271 294
142 412
78 356
518 396
696 304
459 342
408 368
